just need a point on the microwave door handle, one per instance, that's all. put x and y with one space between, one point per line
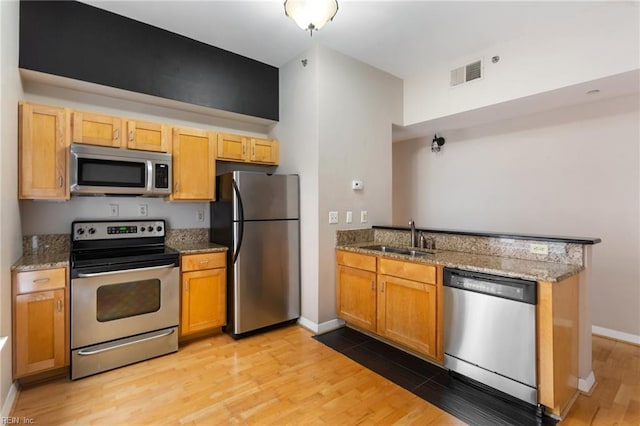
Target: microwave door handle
150 176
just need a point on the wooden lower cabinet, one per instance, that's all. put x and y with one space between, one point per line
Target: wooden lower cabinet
356 297
558 316
204 302
398 300
40 321
407 313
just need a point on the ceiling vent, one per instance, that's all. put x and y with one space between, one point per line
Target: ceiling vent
466 73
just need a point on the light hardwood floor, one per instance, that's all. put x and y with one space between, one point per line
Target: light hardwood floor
286 377
283 377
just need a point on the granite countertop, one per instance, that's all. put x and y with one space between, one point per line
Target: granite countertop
42 260
195 247
504 266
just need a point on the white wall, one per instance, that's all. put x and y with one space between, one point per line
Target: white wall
11 247
42 217
335 126
358 104
297 132
565 172
602 41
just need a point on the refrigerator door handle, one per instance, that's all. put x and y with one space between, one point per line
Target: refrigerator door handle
240 220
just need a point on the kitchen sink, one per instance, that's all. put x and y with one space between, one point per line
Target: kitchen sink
399 250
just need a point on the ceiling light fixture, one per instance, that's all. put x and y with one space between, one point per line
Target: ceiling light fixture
311 14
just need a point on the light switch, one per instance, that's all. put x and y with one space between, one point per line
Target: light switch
364 216
349 217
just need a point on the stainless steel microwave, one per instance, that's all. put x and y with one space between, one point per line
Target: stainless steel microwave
102 170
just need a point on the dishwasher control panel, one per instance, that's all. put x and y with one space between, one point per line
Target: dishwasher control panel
493 285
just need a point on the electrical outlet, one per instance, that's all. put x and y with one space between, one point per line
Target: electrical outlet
333 217
539 248
348 217
113 210
364 216
142 209
200 215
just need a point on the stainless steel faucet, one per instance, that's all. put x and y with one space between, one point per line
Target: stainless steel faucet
412 225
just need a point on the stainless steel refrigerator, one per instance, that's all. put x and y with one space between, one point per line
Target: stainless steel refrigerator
257 216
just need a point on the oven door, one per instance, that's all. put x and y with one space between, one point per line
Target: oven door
110 305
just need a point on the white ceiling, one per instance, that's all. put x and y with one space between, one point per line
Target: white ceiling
401 37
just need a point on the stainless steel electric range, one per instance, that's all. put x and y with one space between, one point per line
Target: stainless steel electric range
124 294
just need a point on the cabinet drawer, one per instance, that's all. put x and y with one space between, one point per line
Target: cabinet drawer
355 260
195 262
41 280
411 271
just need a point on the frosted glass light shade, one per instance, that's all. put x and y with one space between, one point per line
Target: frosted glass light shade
311 14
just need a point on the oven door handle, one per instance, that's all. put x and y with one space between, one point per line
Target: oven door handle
126 271
86 352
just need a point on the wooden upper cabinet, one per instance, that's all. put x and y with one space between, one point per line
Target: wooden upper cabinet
265 151
147 136
194 166
97 129
231 147
244 149
43 151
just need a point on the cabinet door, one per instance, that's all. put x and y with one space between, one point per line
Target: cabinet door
147 136
203 300
40 332
356 297
264 151
193 165
97 129
232 147
43 146
407 313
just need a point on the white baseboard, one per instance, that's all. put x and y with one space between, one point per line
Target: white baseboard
614 334
8 403
586 385
322 327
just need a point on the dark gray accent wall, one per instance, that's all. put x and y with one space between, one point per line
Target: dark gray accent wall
78 41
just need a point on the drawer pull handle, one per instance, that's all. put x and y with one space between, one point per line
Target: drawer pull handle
204 261
41 280
116 134
131 135
244 150
186 285
382 287
60 181
372 285
59 305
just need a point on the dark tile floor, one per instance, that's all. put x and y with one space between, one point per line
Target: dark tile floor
468 401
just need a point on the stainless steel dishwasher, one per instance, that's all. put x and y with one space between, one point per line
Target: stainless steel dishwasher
490 331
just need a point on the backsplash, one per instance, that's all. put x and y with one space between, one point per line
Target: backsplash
188 235
56 243
39 244
565 253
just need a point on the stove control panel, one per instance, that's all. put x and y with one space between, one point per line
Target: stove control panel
84 231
